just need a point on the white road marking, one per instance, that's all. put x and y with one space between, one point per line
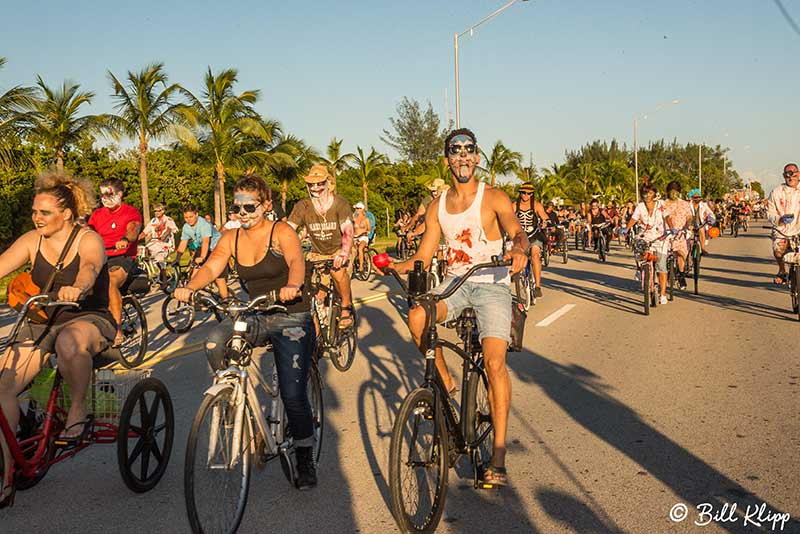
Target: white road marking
553 317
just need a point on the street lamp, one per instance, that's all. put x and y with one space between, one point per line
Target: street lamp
455 50
635 140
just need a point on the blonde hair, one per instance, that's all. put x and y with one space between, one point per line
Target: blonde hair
75 194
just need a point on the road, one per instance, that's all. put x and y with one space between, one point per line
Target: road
615 417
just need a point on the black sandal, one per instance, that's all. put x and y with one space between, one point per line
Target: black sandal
494 477
74 441
350 318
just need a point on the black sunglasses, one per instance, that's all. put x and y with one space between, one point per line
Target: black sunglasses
525 193
789 174
248 208
456 149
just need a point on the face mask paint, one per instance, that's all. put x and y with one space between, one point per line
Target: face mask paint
246 219
111 199
674 195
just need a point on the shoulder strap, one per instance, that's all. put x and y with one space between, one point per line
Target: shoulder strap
236 248
272 231
60 263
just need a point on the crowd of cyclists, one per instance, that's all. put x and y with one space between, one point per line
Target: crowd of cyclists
85 255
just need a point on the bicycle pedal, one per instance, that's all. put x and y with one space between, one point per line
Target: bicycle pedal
488 486
424 412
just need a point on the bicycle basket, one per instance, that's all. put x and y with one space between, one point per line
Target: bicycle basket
106 393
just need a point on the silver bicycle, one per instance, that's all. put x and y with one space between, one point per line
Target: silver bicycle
230 431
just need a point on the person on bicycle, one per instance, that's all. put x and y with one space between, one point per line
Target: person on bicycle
361 231
597 215
677 215
649 214
553 220
200 237
702 216
783 212
159 234
326 217
268 257
473 216
119 224
75 335
531 215
416 226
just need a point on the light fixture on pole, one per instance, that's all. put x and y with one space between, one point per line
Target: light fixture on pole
636 140
455 50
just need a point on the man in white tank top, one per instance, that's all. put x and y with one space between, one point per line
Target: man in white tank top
472 217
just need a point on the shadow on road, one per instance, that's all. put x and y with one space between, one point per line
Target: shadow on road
583 396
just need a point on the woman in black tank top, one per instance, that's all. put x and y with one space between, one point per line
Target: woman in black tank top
268 257
75 335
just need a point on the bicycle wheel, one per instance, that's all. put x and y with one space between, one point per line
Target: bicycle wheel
418 463
146 429
645 276
601 247
696 255
216 476
545 256
318 415
168 279
344 346
133 323
565 254
522 289
29 424
794 288
671 277
736 230
177 316
478 415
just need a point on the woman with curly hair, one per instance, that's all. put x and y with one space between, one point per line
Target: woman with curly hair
74 334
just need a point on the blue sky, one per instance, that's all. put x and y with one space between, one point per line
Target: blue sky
544 76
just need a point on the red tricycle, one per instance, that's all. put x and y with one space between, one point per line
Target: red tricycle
143 428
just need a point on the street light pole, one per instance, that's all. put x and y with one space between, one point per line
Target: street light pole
700 167
469 30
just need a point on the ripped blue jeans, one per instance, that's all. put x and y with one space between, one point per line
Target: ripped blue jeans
293 338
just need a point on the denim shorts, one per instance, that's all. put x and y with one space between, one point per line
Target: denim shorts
491 302
661 263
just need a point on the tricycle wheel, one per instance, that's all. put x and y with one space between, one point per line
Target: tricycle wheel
146 429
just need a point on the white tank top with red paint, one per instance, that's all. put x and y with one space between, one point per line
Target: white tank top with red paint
467 243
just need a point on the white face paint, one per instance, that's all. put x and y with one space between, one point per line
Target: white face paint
110 198
318 189
246 218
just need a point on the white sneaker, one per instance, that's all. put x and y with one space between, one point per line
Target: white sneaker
663 299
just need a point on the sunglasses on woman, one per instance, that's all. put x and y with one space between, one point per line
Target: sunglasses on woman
248 208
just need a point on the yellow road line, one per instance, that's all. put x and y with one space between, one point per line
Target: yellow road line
185 350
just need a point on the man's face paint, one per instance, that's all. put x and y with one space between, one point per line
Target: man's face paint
110 198
318 189
242 201
673 195
462 157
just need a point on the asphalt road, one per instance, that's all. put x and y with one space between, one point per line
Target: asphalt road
615 419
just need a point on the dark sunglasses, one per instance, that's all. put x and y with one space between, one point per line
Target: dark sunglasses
456 149
248 208
789 174
525 193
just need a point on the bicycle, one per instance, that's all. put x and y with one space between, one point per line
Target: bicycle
160 274
338 344
230 431
646 271
557 241
792 258
672 265
695 254
600 241
143 429
178 317
427 413
525 287
362 266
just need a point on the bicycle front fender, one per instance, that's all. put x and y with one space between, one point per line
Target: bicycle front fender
216 389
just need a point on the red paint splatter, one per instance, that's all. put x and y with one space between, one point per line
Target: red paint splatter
465 237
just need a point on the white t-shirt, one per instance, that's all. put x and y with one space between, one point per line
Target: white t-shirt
653 223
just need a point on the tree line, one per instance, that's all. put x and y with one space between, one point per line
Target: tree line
210 139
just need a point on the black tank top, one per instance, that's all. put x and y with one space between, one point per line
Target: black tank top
271 273
95 300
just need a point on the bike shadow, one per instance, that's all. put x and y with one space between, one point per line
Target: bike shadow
586 399
609 299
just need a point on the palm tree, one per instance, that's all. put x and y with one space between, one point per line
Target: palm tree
13 103
554 182
368 168
288 159
336 161
527 174
144 113
54 121
224 122
501 161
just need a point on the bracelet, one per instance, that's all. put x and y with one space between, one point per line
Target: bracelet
293 286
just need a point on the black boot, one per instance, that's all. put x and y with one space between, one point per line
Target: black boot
306 472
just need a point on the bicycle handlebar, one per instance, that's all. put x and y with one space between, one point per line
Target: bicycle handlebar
497 261
266 303
775 229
